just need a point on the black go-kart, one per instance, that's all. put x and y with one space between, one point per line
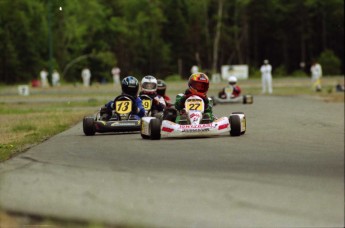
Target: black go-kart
119 120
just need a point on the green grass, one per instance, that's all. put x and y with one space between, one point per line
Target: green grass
24 125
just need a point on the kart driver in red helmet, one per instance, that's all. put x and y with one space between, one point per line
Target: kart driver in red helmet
198 84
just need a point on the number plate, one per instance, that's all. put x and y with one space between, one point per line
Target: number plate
228 90
147 104
123 107
194 104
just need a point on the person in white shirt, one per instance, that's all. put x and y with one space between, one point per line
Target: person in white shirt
194 69
44 78
316 74
55 78
86 76
116 75
266 77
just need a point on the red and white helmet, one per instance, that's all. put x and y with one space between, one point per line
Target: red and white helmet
198 84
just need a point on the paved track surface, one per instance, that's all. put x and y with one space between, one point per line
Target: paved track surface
287 170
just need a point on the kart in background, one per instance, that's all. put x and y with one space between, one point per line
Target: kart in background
229 98
193 123
120 119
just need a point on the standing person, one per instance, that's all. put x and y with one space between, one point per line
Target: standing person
55 78
44 78
116 75
266 77
316 74
194 69
86 76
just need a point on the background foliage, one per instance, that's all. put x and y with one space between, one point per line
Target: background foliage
167 37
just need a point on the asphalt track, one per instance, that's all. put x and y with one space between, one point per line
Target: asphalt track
286 171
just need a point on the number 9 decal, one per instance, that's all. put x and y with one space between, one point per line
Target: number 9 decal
147 105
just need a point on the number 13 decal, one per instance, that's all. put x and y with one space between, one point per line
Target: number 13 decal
123 107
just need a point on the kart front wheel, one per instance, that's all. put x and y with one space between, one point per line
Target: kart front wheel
155 128
89 126
235 125
142 135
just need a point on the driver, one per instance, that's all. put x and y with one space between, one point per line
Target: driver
149 88
236 90
161 90
130 87
198 84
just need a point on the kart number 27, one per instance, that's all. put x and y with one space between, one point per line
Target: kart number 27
194 105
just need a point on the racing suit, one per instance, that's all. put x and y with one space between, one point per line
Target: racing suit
137 112
236 91
167 101
181 98
158 102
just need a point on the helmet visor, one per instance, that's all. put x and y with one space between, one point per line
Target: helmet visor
149 86
201 87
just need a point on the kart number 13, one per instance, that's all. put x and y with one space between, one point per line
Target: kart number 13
123 107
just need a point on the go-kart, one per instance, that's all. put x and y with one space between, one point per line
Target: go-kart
229 98
119 120
147 104
193 123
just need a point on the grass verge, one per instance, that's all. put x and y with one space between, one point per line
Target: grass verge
26 124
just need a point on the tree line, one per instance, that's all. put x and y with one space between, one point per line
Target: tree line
167 37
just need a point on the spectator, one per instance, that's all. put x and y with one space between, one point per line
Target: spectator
194 69
116 75
44 78
266 77
55 78
86 76
316 74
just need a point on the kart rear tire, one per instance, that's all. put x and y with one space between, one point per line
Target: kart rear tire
248 99
155 128
89 126
145 136
235 125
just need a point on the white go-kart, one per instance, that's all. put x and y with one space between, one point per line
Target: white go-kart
193 123
229 98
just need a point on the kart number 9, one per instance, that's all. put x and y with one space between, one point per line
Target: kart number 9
147 105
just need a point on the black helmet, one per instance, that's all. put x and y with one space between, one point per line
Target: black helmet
161 87
130 86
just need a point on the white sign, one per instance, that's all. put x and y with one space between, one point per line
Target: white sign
239 71
23 90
